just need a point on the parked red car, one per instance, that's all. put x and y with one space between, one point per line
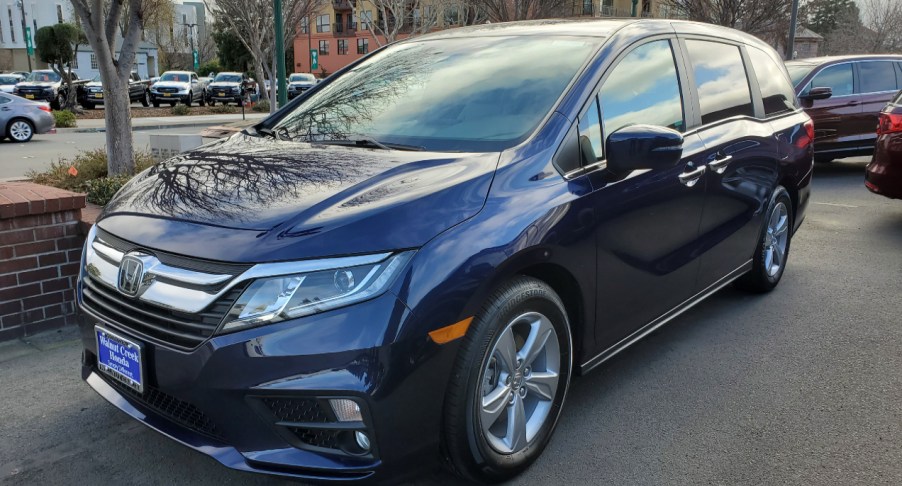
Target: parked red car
884 173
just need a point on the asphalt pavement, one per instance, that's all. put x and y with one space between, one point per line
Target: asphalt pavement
799 386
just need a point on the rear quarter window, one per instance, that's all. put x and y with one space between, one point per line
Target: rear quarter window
777 92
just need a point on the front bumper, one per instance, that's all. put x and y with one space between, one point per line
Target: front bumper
172 97
883 175
42 96
227 398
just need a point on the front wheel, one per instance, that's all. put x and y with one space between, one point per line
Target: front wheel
509 383
145 100
20 130
189 99
772 251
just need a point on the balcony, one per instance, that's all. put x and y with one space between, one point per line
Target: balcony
342 4
344 30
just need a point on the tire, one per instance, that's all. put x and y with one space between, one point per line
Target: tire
189 99
772 251
172 105
58 102
145 100
476 442
203 101
87 105
155 103
212 103
823 160
20 130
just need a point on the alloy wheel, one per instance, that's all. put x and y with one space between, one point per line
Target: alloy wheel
776 239
519 382
20 131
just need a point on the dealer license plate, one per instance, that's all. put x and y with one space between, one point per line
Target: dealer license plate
29 96
119 358
98 95
167 94
221 93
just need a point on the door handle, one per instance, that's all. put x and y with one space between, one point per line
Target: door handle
853 103
690 178
4 109
720 165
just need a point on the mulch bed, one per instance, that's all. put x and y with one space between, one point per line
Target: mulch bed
141 112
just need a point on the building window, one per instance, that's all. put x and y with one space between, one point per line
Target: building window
323 48
366 19
322 23
93 61
59 14
342 46
305 23
588 7
363 46
74 63
12 28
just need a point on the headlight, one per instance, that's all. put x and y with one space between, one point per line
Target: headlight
274 299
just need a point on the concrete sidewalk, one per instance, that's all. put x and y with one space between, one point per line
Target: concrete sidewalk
163 122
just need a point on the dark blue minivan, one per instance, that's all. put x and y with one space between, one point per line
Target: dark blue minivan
406 265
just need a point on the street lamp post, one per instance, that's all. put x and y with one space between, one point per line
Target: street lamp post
793 19
21 5
280 53
194 56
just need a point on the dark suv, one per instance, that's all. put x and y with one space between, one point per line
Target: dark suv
844 96
407 265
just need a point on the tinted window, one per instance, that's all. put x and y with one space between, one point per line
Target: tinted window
643 89
43 76
838 78
450 94
776 92
8 80
590 134
723 88
877 76
797 72
227 78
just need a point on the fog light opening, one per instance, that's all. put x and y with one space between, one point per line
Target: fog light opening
363 441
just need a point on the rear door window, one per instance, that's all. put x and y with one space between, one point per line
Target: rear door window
721 80
777 93
643 89
876 76
838 78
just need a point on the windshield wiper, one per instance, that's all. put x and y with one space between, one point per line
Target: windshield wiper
268 132
367 142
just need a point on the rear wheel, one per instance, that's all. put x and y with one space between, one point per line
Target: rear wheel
145 100
509 382
772 251
156 104
212 102
20 130
88 105
58 102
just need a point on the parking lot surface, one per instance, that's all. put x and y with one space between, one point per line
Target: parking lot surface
799 386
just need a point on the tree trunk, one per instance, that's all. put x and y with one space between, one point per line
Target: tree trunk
118 117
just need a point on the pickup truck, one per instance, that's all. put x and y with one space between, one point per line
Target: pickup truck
46 85
93 95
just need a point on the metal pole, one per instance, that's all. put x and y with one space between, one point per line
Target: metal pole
22 6
793 19
309 46
280 53
635 12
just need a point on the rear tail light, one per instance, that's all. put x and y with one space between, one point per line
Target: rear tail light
889 123
805 140
44 108
809 128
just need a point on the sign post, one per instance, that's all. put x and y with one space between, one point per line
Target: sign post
196 60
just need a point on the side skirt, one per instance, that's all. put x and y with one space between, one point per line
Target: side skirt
664 319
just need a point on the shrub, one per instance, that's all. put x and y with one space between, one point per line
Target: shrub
85 166
64 119
180 110
100 191
262 106
209 67
222 109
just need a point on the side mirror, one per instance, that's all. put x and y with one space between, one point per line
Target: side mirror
817 94
643 147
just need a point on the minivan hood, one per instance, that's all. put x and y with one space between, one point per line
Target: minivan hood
248 199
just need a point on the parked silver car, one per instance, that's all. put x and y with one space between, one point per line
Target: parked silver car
9 81
21 119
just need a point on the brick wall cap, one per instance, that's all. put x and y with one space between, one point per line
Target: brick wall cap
27 198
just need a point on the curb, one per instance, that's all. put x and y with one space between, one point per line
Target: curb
153 127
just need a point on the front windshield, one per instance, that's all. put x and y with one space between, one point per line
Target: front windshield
43 77
301 78
797 72
179 78
9 80
96 79
227 78
462 94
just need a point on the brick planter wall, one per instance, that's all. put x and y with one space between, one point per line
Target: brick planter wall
40 250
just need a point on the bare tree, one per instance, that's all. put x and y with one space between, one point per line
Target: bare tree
253 20
882 19
508 10
764 18
100 20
